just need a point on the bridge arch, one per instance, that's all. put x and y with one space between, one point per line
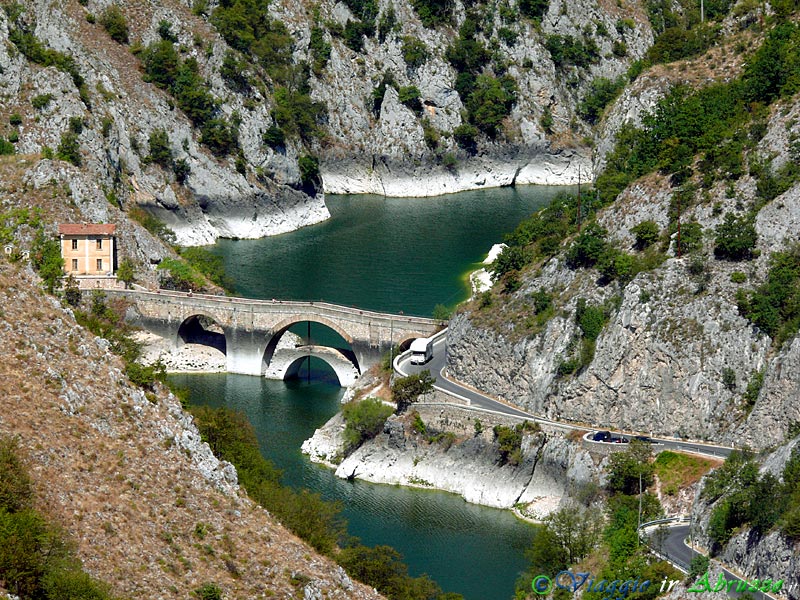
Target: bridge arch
201 329
283 326
345 371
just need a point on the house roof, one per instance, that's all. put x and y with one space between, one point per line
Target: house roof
87 229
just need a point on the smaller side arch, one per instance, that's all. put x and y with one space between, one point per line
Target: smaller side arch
281 328
196 329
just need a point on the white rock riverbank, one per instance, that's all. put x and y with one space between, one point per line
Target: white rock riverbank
551 467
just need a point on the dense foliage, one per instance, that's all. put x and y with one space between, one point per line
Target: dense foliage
433 12
364 420
745 497
774 306
113 21
406 390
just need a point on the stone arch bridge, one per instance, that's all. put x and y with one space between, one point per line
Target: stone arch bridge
251 329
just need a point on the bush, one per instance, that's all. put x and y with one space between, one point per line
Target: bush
601 93
309 169
6 147
736 238
691 238
646 234
210 265
113 21
409 96
491 101
738 277
566 50
209 591
178 275
364 420
406 390
433 12
588 247
415 52
773 306
160 150
41 101
533 9
15 119
465 136
46 259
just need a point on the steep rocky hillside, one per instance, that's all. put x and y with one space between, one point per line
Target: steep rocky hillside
152 511
230 119
616 326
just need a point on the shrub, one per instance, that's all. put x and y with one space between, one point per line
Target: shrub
113 21
415 52
6 147
738 277
465 136
69 149
601 93
209 591
274 137
309 169
491 101
181 169
160 150
691 238
587 248
320 50
566 50
533 9
15 119
165 32
41 101
406 390
646 234
409 96
364 420
736 238
210 265
433 12
546 120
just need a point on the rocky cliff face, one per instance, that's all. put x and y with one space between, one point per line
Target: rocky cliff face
392 147
676 356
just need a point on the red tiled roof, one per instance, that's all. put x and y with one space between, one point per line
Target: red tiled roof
86 229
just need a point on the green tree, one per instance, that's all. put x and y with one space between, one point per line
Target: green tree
646 234
587 248
406 390
72 293
113 21
126 272
46 259
309 169
736 237
626 468
70 149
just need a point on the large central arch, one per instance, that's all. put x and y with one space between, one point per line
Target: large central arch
283 326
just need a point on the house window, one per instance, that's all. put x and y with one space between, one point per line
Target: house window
99 244
74 244
99 264
74 264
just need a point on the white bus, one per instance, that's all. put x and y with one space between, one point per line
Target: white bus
421 351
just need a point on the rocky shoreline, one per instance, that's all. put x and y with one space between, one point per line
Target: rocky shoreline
456 455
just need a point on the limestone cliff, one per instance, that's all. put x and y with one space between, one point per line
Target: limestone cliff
224 177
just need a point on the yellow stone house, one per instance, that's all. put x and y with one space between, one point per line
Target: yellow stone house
88 249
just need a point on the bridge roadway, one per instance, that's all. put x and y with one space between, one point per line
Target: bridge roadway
247 331
483 402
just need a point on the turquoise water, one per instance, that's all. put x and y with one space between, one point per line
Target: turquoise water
392 255
388 254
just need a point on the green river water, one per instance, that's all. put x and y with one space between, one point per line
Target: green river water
392 255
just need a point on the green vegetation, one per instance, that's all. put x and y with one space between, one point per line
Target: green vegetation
433 13
406 390
209 591
364 420
297 114
69 148
601 93
736 237
509 441
752 391
6 147
41 101
209 264
46 259
309 169
177 274
320 50
743 497
590 320
676 471
318 522
533 9
113 21
37 560
126 272
152 224
646 234
487 98
773 306
160 150
164 67
567 51
36 52
415 52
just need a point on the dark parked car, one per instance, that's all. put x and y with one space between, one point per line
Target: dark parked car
644 439
602 436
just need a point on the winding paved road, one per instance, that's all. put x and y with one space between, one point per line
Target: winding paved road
480 401
674 548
